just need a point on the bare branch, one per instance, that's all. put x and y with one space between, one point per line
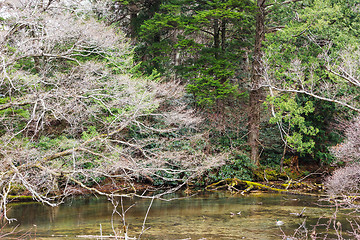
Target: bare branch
15 104
280 3
342 103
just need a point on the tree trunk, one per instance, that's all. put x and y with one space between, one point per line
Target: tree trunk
256 92
133 17
216 37
223 34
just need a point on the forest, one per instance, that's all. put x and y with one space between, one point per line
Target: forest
131 97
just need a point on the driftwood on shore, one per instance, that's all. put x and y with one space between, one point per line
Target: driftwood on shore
243 186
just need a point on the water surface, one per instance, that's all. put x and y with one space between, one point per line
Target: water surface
205 216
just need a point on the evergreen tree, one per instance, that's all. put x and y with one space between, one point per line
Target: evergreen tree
203 42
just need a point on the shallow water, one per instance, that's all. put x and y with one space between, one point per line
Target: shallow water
205 216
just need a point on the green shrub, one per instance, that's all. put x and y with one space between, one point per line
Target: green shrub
239 166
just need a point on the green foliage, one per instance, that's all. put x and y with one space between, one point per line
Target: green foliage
323 118
17 189
269 173
271 157
90 133
292 114
60 143
318 38
169 178
25 64
238 166
273 145
202 38
210 78
18 116
309 124
90 181
10 112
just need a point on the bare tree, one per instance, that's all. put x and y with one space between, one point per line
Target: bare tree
70 108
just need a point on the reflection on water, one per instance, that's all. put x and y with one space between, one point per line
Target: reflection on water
206 216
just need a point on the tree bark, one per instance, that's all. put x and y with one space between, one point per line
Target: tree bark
223 34
216 37
133 18
256 92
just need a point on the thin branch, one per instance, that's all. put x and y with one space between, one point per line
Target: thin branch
348 77
70 151
315 96
281 3
274 29
145 218
15 104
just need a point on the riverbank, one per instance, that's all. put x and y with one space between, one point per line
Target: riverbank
302 186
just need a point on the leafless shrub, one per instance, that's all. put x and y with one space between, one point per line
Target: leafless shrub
344 181
349 150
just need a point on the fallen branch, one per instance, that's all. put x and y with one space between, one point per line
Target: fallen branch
249 185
